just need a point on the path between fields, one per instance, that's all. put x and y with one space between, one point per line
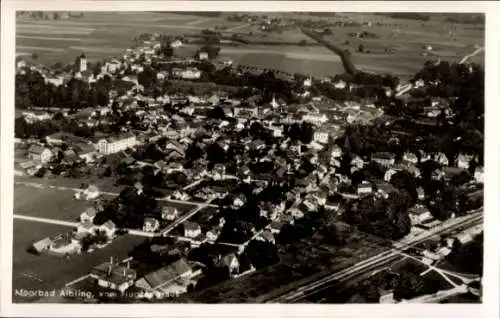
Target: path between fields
54 187
75 224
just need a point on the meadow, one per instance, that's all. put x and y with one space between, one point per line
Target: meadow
406 39
102 35
48 203
41 272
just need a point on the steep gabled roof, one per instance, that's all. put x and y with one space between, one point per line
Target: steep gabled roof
168 273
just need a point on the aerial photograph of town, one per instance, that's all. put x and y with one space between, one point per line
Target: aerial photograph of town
248 157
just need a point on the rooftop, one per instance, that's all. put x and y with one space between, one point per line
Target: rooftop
168 273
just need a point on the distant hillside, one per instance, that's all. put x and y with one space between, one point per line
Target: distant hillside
212 14
50 15
465 18
407 15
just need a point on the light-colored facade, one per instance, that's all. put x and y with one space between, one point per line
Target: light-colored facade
321 136
113 145
188 73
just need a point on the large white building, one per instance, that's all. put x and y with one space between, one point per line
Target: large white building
188 73
317 119
115 144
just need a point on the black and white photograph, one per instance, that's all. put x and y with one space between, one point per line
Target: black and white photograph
256 157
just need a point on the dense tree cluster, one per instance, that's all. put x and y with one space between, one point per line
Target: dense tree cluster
463 85
303 132
468 257
408 15
32 91
388 218
261 254
129 209
412 285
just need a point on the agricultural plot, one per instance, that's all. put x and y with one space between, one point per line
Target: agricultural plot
36 272
47 203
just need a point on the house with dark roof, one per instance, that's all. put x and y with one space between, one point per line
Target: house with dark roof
275 226
109 228
419 214
231 262
169 213
192 229
174 154
364 188
384 189
39 153
162 278
59 138
268 236
175 145
43 245
384 158
114 276
151 225
84 151
88 215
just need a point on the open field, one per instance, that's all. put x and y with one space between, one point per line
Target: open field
47 203
34 272
99 34
406 37
103 34
60 204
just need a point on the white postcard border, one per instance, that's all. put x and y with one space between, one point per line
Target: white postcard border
491 278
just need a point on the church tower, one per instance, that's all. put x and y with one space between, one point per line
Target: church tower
82 63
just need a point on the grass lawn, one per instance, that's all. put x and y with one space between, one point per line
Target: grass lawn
106 34
35 272
99 34
47 203
103 34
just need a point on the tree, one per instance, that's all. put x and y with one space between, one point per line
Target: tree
207 67
193 152
147 78
402 225
409 286
21 128
166 49
293 131
261 254
217 113
334 235
256 129
307 132
96 68
460 179
100 238
216 154
405 180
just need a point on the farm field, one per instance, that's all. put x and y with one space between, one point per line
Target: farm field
63 40
35 272
449 42
47 203
60 204
99 34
